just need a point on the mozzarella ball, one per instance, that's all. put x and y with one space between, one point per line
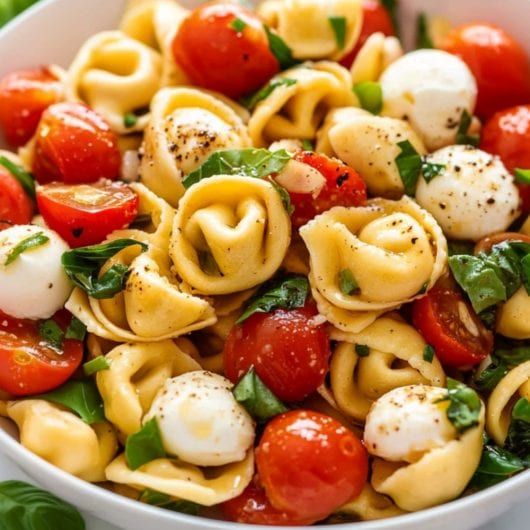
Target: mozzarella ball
200 421
34 285
431 89
474 195
407 422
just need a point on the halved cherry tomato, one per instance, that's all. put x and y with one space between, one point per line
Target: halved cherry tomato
223 46
85 214
24 96
486 244
499 64
310 464
450 325
376 18
344 187
507 134
28 365
75 145
15 206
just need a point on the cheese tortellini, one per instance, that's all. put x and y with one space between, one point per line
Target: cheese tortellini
372 259
511 316
231 233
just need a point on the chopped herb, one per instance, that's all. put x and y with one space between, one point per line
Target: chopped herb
144 446
284 196
347 283
96 365
208 264
462 136
279 49
522 176
251 101
423 39
50 331
391 6
130 120
362 350
518 440
370 96
490 377
238 25
25 179
460 248
142 221
161 500
34 241
339 26
76 330
424 288
428 353
430 170
464 405
308 145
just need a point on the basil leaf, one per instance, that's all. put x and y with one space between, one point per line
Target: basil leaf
250 162
238 25
251 101
518 439
409 163
98 364
50 331
430 170
257 399
428 353
522 176
25 507
362 350
308 145
76 330
464 405
496 465
489 317
284 196
279 49
391 6
460 248
462 136
513 354
34 241
490 377
81 397
161 500
347 283
144 446
25 179
286 293
423 39
338 24
130 120
370 96
525 273
142 221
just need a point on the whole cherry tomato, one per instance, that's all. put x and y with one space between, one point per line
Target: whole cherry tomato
15 206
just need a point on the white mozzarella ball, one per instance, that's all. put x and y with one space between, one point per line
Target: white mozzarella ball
473 197
200 421
407 422
34 285
431 89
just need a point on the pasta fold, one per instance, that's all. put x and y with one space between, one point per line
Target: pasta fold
511 317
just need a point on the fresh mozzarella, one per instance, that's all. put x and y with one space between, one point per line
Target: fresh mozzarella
431 89
473 197
34 285
200 421
407 422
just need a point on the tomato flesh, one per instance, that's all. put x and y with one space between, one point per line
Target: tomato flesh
85 214
15 206
289 351
75 145
217 56
310 464
28 365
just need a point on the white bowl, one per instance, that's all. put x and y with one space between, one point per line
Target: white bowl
52 31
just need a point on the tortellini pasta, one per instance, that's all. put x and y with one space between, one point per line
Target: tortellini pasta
116 75
296 110
314 38
393 251
61 438
186 127
230 234
511 317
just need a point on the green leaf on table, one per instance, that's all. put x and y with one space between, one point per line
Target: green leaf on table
370 95
34 241
144 446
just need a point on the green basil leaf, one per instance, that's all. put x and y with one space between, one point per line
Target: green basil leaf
308 145
392 6
238 25
409 163
144 446
34 241
279 49
251 101
339 26
25 507
463 248
26 179
462 136
286 293
430 170
522 176
490 377
50 331
464 405
362 350
423 38
525 272
428 353
347 282
496 465
284 196
76 330
489 317
513 354
257 399
81 397
161 500
130 120
370 96
142 221
98 364
518 439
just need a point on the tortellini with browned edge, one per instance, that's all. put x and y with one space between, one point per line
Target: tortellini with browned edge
297 109
306 26
186 127
63 439
513 386
372 259
394 359
116 75
511 316
231 233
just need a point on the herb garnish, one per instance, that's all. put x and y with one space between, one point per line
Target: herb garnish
144 446
370 96
339 26
33 241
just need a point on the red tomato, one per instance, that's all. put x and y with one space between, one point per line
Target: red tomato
85 214
75 145
28 366
310 464
499 64
217 56
253 507
24 96
450 325
289 352
344 187
15 206
507 134
376 18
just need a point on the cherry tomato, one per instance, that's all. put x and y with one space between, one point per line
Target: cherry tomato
75 145
499 64
450 325
376 18
486 244
344 187
507 134
310 464
223 47
28 365
24 96
289 351
85 214
15 206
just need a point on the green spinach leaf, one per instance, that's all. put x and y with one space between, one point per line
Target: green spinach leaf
144 446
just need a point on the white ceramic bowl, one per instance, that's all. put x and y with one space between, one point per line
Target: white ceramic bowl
52 31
